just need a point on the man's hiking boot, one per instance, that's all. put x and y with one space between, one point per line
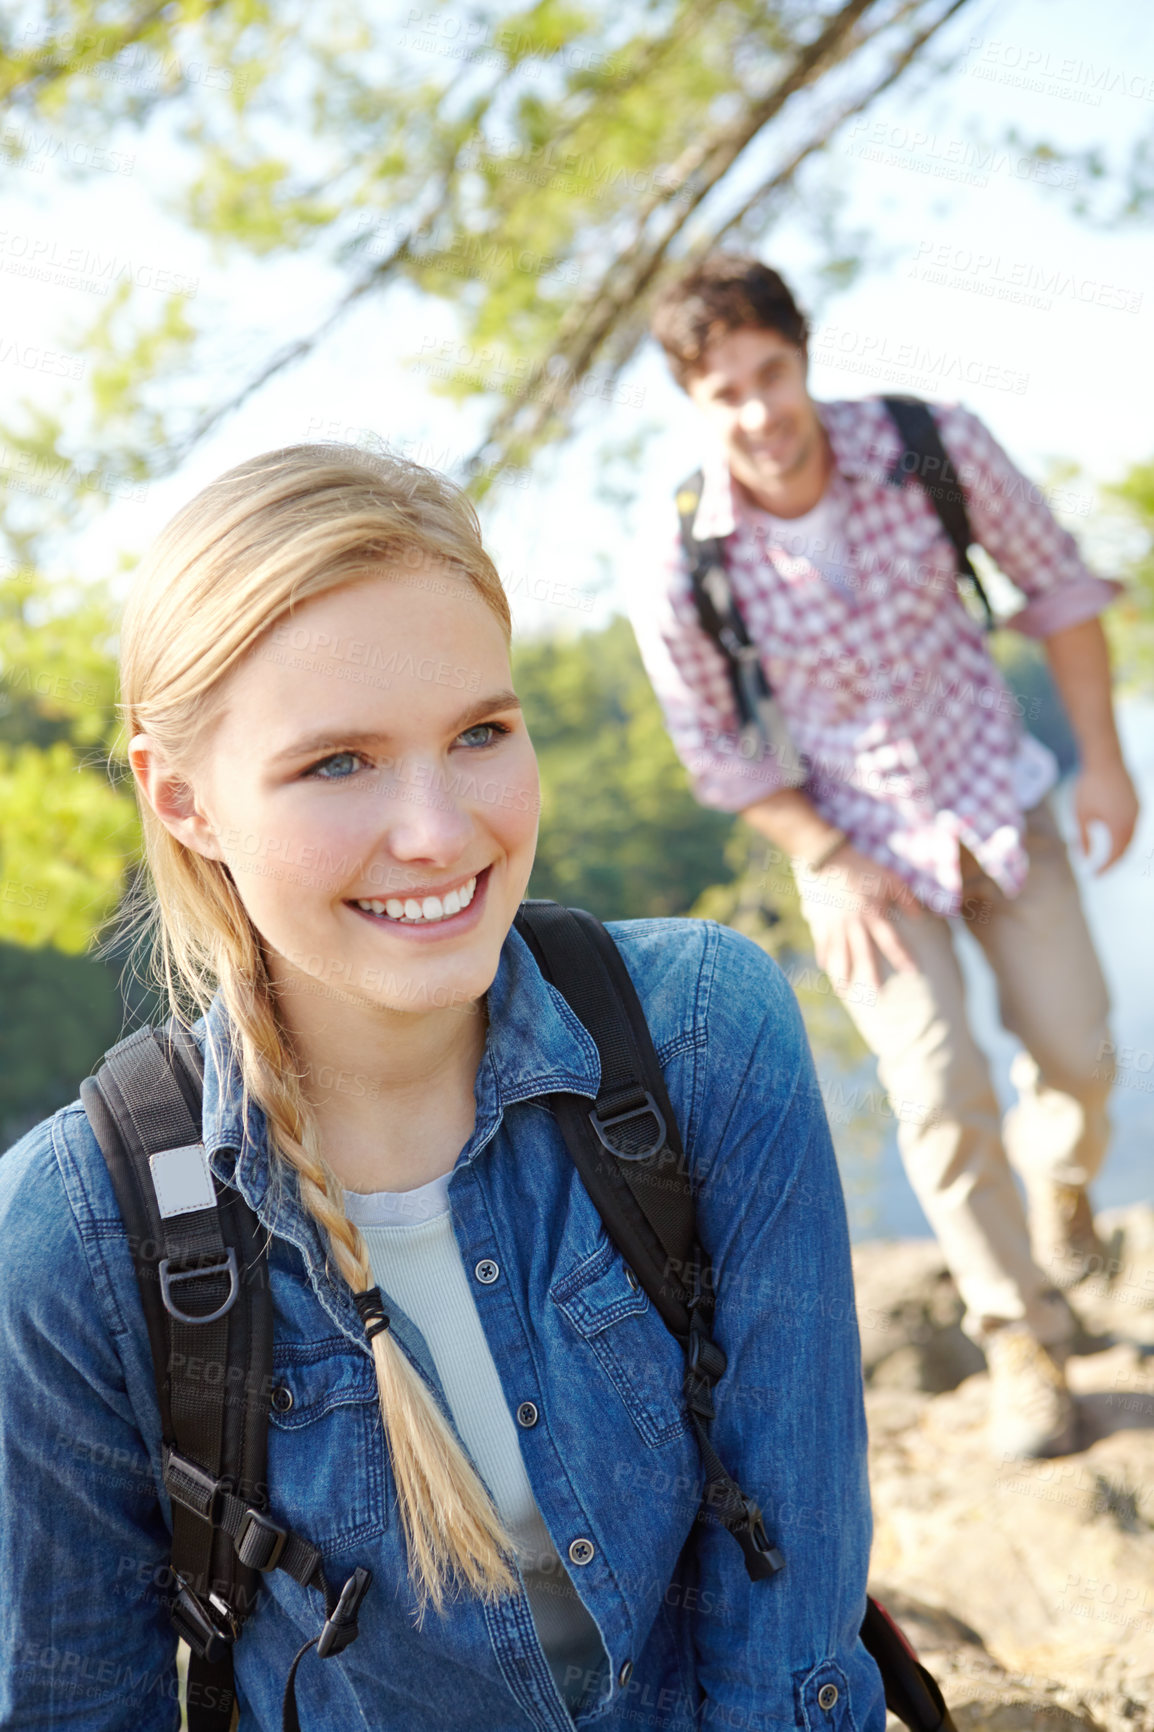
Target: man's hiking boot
1032 1413
1064 1242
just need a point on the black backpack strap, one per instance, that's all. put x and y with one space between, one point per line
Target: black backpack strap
144 1101
628 1147
717 611
629 1154
201 1269
911 1692
936 475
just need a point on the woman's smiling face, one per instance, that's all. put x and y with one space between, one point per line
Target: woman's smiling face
371 787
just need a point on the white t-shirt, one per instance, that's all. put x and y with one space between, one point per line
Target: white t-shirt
818 536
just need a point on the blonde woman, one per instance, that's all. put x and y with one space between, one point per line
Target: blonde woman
340 806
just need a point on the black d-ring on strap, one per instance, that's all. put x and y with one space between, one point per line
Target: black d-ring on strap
169 1277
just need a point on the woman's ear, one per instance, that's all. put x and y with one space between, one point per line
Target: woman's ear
172 798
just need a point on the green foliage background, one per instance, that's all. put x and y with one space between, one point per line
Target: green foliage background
621 834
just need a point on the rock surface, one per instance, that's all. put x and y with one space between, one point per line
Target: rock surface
1027 1587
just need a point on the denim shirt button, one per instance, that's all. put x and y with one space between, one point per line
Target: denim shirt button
581 1551
625 1673
827 1697
282 1398
487 1271
527 1414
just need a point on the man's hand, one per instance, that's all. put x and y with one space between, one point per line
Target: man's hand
1080 662
849 906
850 903
1105 794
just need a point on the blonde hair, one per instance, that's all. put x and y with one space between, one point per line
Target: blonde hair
274 532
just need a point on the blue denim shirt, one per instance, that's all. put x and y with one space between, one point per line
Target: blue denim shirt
84 1530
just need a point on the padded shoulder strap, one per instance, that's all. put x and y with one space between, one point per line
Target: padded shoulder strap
936 475
126 1143
201 1271
629 1154
717 610
628 1148
144 1106
706 561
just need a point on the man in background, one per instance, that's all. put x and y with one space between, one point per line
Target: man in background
912 794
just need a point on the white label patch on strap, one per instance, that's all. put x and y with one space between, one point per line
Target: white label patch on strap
182 1180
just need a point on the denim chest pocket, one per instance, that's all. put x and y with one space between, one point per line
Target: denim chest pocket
326 1449
637 1353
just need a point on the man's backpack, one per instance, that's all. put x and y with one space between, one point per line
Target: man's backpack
923 458
200 1264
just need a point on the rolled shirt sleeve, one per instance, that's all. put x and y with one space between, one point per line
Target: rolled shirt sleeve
1011 519
691 680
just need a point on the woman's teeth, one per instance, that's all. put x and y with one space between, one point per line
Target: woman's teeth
429 908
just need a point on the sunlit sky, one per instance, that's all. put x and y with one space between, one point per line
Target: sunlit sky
983 287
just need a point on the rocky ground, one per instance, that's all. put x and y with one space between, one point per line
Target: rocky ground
1027 1588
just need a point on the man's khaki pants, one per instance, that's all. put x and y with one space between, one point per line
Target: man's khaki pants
1051 994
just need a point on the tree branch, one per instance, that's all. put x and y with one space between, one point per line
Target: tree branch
606 311
591 321
298 350
607 319
29 75
787 172
808 64
302 347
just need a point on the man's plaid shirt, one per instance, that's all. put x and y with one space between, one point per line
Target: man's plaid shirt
885 680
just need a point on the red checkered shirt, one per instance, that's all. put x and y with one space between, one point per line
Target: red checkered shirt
884 679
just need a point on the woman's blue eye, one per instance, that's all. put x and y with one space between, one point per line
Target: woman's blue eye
491 729
327 773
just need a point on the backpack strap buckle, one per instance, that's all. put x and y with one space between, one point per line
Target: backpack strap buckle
762 1558
206 1632
705 1362
191 1486
341 1624
703 1357
260 1541
648 1107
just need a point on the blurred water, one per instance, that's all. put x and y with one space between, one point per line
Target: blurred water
1120 910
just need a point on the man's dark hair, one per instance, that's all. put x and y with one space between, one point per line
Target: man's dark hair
725 292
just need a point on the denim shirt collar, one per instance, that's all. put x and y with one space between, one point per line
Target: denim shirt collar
534 1046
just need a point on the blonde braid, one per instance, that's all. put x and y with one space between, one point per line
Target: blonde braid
452 1531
